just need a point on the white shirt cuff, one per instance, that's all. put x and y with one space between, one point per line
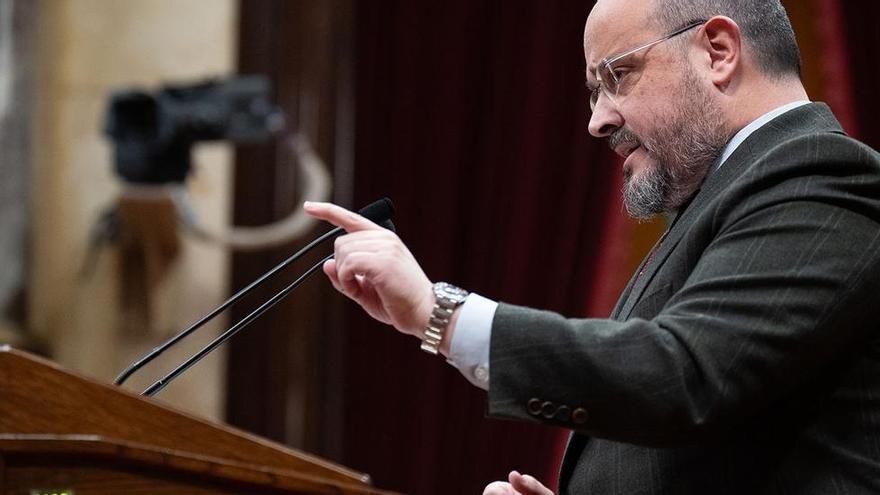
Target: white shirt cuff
469 349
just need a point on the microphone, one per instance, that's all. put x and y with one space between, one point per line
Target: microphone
379 212
228 334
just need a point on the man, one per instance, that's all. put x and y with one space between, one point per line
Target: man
741 357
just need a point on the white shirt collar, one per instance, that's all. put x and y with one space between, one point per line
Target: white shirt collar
756 124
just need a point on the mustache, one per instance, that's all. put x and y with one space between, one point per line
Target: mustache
623 136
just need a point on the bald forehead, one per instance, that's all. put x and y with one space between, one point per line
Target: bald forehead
614 25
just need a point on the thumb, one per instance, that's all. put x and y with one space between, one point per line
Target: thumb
527 485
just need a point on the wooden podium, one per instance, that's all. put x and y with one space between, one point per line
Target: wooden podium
61 433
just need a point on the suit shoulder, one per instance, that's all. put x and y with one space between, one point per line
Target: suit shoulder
821 168
830 148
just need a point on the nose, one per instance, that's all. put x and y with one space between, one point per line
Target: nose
605 118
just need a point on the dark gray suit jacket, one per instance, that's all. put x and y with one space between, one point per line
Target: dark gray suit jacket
745 359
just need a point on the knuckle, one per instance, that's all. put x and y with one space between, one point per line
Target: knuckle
398 248
343 267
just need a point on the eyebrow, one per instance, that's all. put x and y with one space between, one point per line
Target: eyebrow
591 67
589 84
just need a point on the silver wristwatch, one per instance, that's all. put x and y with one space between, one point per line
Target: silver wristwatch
447 297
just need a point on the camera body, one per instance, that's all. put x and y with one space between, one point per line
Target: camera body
153 134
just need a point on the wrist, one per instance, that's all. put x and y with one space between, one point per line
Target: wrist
438 329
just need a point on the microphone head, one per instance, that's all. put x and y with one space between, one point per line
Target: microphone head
379 212
388 225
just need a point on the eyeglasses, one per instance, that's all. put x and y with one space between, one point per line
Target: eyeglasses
609 78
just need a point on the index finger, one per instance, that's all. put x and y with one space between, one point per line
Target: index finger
339 216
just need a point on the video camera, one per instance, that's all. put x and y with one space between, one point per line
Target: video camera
153 134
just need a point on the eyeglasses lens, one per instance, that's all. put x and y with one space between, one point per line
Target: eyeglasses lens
607 83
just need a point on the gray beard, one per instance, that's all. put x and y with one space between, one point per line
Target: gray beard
683 151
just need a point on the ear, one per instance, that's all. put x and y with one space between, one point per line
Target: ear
722 43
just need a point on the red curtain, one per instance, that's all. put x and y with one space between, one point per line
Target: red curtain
858 31
472 117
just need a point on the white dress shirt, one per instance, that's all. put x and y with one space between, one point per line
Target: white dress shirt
469 349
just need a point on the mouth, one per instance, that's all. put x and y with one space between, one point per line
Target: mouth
626 149
624 142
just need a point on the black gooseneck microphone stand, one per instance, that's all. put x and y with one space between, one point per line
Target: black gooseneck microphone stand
379 211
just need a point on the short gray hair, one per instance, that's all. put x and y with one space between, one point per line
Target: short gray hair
765 27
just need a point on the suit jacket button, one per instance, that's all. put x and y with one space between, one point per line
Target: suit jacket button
534 407
481 374
548 410
563 413
579 416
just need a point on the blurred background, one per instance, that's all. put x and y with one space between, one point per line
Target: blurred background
156 152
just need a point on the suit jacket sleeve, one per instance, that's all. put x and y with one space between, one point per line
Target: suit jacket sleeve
773 284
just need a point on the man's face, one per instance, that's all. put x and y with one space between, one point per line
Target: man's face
663 120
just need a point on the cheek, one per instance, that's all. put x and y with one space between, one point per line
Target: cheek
652 102
651 119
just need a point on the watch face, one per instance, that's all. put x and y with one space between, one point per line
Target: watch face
450 292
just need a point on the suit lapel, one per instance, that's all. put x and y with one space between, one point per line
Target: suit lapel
624 296
816 117
640 271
